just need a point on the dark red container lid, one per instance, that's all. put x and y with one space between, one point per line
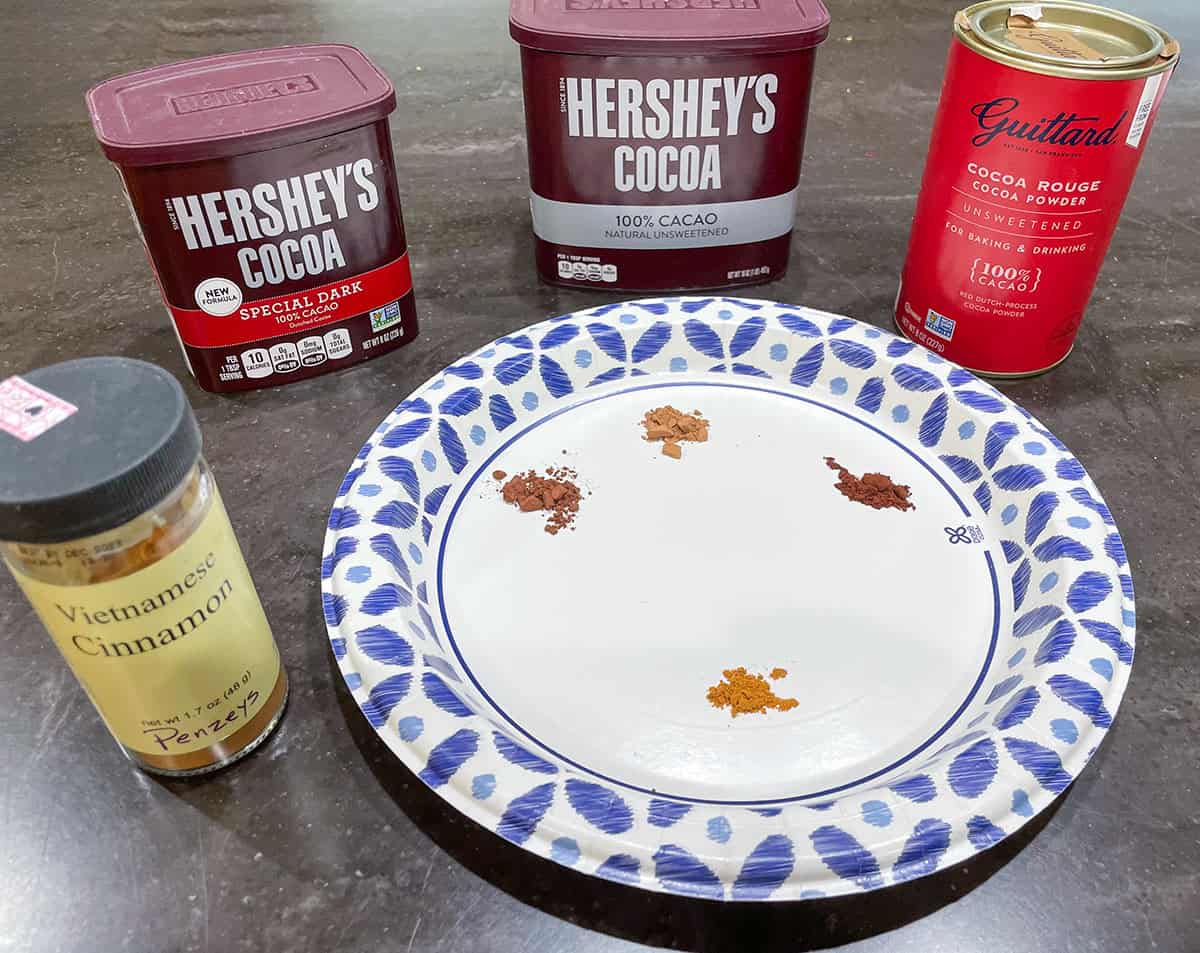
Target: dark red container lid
640 27
235 103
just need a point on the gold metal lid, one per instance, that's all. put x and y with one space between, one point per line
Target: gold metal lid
1066 38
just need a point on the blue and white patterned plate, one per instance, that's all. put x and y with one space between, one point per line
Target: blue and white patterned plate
955 665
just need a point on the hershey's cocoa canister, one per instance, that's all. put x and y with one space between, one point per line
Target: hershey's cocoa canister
665 137
265 190
1044 113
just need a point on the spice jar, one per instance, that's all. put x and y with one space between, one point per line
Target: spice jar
113 527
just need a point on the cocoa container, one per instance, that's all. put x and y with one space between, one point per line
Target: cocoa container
265 191
1045 111
665 137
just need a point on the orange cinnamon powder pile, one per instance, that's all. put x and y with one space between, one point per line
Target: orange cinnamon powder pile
671 426
556 493
746 694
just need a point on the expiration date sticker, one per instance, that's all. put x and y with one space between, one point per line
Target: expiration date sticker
27 411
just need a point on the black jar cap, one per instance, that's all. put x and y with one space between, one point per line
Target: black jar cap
131 441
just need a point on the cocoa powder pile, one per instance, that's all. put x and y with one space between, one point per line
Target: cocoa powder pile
746 694
555 493
876 490
671 426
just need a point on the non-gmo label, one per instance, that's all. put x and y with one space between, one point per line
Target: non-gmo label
219 297
940 325
386 316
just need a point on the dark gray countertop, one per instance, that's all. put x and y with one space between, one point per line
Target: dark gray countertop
321 842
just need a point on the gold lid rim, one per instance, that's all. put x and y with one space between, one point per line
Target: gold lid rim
1161 52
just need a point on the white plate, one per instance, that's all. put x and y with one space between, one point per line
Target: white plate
955 665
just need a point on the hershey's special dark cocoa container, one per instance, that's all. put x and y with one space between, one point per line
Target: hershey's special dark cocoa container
665 137
1045 110
264 187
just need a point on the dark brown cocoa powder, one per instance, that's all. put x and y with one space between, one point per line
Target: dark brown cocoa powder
876 490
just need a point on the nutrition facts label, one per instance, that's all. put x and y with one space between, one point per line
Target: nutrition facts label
284 357
586 268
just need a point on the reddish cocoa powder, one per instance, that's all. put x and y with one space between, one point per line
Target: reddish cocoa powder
876 490
555 492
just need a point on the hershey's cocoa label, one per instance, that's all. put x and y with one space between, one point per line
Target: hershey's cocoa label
698 110
664 172
280 264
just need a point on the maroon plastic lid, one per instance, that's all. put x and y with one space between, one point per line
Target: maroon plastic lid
638 27
236 103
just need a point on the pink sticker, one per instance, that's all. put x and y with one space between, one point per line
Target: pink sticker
27 411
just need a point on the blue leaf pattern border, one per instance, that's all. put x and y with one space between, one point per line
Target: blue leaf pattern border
1049 697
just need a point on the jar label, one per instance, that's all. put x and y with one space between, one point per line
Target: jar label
177 656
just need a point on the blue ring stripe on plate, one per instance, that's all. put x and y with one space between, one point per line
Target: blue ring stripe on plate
485 466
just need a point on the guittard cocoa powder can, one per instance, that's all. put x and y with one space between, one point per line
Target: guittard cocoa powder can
264 188
1045 110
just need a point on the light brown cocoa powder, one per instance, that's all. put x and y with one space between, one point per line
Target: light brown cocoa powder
672 426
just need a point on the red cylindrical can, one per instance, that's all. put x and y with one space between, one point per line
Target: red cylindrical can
264 188
1044 113
665 137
